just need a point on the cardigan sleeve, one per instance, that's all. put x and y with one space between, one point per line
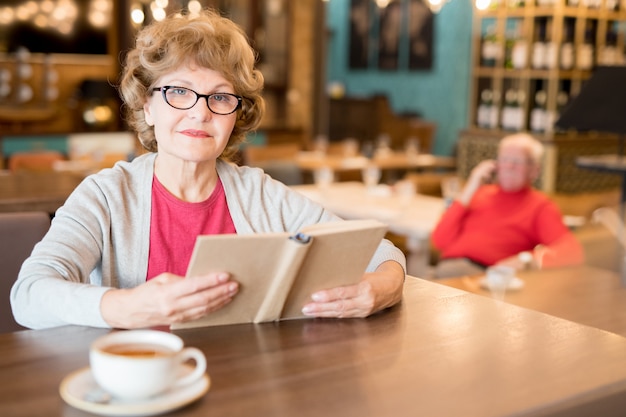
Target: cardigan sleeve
53 287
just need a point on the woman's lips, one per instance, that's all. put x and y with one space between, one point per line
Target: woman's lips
195 133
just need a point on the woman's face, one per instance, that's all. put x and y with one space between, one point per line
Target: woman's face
195 134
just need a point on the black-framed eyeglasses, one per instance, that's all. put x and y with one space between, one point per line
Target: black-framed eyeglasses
183 98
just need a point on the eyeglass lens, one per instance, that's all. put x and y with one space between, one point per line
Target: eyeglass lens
185 98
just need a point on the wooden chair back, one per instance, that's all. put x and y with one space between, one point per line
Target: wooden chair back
252 155
38 161
19 232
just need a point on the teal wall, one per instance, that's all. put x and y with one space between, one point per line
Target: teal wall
440 94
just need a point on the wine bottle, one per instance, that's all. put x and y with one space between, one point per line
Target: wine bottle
539 46
509 43
507 121
538 113
484 109
567 47
519 54
494 113
609 54
584 55
519 115
562 98
489 53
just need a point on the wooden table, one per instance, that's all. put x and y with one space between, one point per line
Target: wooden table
586 295
40 191
311 161
413 217
442 352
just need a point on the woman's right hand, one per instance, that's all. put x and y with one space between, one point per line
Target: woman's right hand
167 299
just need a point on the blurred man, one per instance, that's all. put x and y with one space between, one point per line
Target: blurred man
499 218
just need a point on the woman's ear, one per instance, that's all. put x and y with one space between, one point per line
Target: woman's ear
147 112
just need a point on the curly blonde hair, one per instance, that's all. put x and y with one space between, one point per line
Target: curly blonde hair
207 40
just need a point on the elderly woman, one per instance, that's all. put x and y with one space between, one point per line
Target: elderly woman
117 251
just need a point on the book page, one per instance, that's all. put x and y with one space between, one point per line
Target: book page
339 255
255 261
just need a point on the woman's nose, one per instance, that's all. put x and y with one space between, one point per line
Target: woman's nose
200 110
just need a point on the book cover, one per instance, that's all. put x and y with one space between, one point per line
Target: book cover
278 272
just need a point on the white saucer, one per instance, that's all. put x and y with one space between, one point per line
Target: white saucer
78 384
515 284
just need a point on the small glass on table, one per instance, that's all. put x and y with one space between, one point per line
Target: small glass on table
371 176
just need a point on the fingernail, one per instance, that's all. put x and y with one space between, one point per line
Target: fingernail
307 309
317 297
222 277
232 287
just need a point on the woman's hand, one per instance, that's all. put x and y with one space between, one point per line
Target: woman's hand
167 299
377 290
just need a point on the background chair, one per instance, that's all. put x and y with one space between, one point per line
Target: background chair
37 161
19 232
278 161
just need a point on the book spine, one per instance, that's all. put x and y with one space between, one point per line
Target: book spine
291 259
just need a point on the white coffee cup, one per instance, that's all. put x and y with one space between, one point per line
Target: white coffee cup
499 278
138 364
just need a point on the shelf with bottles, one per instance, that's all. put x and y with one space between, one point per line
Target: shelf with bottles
514 104
520 45
549 43
566 7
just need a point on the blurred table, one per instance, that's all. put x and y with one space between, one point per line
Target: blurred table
36 191
411 216
311 161
614 164
441 352
584 294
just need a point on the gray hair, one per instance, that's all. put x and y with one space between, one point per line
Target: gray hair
529 143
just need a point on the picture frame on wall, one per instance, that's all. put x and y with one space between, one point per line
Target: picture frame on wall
390 35
360 27
420 34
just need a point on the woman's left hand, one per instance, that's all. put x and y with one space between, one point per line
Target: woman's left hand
377 290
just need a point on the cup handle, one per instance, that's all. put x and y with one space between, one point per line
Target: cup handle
199 370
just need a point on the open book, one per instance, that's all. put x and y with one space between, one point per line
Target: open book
278 272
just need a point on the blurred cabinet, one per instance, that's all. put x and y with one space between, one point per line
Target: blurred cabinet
366 119
531 57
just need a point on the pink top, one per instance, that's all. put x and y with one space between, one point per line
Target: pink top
174 225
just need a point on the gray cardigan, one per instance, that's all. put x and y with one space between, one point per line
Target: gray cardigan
100 238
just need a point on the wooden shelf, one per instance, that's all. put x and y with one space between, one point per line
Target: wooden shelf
556 22
27 114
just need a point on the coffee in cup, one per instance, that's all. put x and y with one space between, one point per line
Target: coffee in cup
138 364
